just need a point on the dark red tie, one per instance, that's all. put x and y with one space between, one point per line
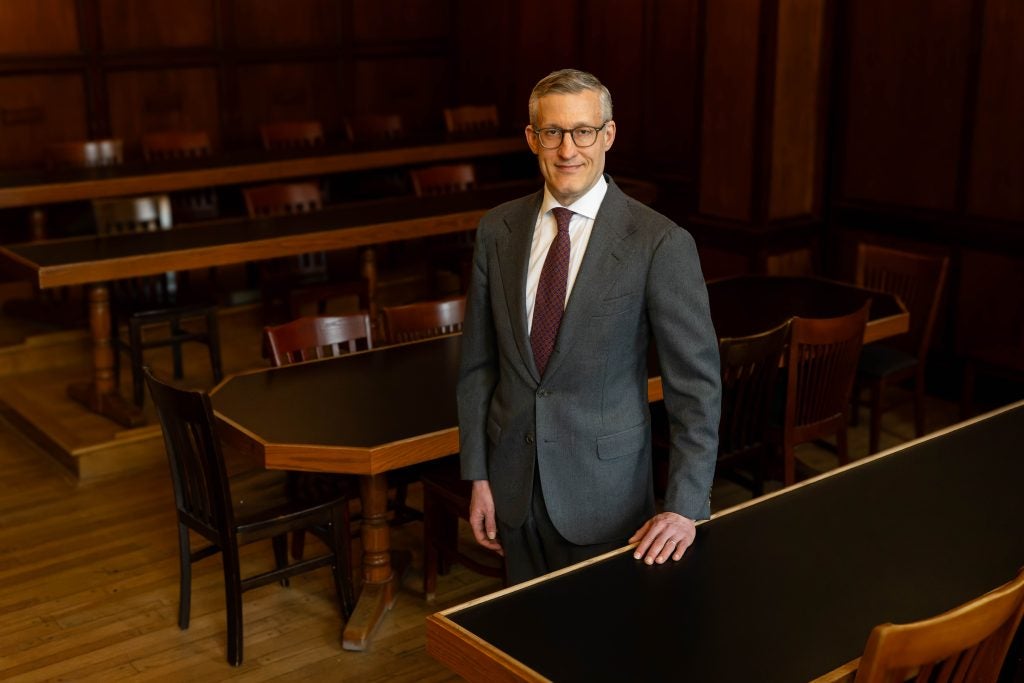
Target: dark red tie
547 309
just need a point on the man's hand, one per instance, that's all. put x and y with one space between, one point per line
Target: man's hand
481 516
665 535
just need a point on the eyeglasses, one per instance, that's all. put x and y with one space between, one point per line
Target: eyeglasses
583 136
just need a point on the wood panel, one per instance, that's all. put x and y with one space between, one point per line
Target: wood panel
418 88
272 23
286 91
797 114
990 308
613 51
904 101
547 37
996 184
38 27
483 71
151 24
36 110
400 20
143 101
728 113
670 93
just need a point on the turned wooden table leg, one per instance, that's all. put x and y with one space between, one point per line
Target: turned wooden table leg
380 578
101 394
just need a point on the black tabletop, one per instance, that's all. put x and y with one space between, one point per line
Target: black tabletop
789 588
749 304
51 253
358 400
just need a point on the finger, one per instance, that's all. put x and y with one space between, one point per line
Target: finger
667 549
680 551
639 533
490 527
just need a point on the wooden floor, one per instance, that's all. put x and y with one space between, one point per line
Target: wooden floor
89 576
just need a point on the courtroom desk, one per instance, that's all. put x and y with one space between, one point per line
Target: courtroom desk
38 187
785 588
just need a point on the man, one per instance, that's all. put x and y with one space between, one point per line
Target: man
553 410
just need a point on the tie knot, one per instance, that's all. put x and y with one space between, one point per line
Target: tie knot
562 217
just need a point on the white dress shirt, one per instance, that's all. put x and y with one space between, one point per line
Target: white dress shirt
584 212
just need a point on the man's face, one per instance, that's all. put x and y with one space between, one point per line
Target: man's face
571 171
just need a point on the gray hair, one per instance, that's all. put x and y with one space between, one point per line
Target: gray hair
566 82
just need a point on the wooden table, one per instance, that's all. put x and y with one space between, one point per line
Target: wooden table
785 588
94 260
33 188
363 413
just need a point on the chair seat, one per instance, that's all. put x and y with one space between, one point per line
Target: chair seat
877 360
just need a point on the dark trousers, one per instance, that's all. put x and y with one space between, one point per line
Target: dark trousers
536 547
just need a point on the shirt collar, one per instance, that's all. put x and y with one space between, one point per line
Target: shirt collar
587 205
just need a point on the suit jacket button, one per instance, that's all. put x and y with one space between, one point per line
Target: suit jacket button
529 438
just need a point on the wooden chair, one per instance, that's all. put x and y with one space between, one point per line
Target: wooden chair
445 179
967 643
236 512
86 153
821 363
170 145
309 338
302 279
750 374
918 280
374 129
471 119
177 145
292 135
422 320
446 499
162 300
750 370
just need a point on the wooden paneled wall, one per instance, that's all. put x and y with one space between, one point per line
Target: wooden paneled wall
929 149
72 69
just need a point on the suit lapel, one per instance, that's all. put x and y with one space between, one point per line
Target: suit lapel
513 261
598 271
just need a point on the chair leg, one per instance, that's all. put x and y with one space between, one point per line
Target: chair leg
919 404
876 389
298 544
185 573
233 601
430 513
280 545
179 370
342 567
841 447
213 344
135 351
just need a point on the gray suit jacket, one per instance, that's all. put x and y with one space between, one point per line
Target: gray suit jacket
586 425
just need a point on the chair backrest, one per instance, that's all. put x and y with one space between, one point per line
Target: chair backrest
132 214
282 199
86 153
471 119
917 279
317 337
445 179
292 135
750 369
127 215
423 319
198 474
822 364
967 643
169 145
374 128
